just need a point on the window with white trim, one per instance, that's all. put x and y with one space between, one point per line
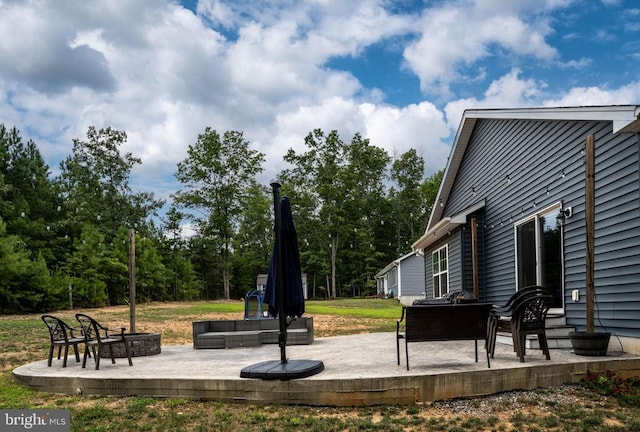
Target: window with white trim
440 259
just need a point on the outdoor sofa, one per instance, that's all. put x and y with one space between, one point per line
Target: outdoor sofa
249 333
442 322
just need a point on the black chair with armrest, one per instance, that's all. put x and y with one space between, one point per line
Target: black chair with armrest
529 318
501 317
98 336
61 335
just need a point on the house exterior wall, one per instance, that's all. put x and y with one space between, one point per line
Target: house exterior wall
261 283
405 276
523 166
411 277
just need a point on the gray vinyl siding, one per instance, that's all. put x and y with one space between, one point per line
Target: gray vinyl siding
455 262
545 163
412 276
617 240
428 273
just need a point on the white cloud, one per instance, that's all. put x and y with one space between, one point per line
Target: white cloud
166 75
576 64
35 49
419 126
584 96
508 91
512 91
458 35
163 74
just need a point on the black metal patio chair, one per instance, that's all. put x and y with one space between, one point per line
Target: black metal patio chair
99 336
525 315
61 335
500 317
529 318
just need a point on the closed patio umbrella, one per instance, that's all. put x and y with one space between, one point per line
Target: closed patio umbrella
284 295
291 275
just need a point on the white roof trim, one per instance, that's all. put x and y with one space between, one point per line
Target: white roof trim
392 264
624 118
444 227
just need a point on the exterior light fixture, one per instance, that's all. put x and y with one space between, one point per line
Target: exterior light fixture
564 214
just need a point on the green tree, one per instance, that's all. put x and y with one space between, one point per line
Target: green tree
365 174
95 184
254 241
408 173
318 191
207 264
29 201
27 209
429 191
152 277
26 285
336 187
84 269
174 243
94 189
216 176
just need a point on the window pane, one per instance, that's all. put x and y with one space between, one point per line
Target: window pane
526 254
439 259
551 257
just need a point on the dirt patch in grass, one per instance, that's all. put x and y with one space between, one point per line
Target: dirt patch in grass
178 330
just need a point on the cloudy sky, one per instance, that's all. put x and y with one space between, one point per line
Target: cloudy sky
400 72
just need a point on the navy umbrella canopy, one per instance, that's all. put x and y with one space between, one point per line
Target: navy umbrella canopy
285 296
288 261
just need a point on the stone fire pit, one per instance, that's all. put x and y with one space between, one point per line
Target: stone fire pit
140 345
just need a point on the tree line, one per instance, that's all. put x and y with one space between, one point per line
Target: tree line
65 239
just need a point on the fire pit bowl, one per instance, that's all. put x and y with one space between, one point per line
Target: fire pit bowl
140 345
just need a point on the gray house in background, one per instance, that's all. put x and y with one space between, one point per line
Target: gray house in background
510 212
403 279
261 283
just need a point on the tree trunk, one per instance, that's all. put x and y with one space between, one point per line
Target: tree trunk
334 255
225 282
225 271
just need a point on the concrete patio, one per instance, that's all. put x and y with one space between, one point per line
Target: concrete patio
359 370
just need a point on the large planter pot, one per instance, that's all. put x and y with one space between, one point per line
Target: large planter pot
589 344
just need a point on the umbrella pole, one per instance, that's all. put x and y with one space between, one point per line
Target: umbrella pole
282 337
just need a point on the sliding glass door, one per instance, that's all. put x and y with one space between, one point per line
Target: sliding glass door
539 253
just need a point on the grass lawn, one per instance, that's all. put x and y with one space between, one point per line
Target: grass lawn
24 339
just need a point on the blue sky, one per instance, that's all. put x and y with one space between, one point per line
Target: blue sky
400 72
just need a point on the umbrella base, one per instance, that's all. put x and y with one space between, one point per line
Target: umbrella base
292 369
